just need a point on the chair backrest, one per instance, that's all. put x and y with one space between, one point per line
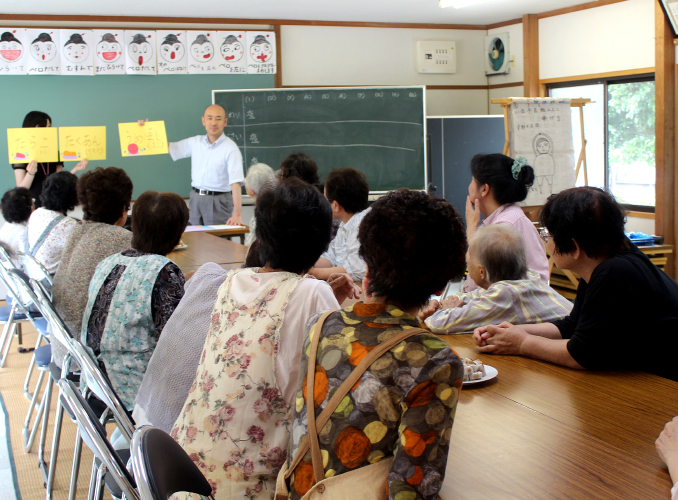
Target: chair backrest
6 258
97 382
94 436
12 282
161 466
34 269
57 328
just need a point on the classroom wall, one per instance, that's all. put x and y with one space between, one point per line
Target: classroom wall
609 38
317 55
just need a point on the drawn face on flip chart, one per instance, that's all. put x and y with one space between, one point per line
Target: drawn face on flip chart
43 48
76 49
140 49
109 49
202 49
232 49
260 50
542 145
11 49
172 49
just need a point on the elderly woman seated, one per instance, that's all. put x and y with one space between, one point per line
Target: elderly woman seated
105 195
507 291
17 206
259 177
622 301
48 227
234 422
400 412
133 293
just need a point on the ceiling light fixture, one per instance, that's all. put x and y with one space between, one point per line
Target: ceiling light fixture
458 4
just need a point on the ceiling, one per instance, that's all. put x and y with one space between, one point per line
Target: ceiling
392 11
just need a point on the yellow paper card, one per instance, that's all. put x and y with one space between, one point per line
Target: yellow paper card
37 143
150 139
78 143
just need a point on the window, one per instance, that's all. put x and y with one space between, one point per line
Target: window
619 130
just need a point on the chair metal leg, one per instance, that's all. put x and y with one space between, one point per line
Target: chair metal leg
43 430
28 439
31 366
6 342
75 471
55 448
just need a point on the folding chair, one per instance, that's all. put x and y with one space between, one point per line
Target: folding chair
93 434
13 314
161 467
36 271
95 382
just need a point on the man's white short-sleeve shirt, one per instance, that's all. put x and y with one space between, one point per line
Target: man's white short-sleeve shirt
214 167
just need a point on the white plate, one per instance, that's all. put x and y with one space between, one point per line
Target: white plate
490 373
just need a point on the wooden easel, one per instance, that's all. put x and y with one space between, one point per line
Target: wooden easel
506 102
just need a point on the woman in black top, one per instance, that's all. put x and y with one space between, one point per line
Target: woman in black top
32 175
625 316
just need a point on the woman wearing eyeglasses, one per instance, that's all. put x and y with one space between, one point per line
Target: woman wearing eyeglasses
625 315
498 184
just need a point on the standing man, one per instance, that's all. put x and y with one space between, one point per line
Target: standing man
216 171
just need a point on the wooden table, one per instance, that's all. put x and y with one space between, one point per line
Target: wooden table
240 231
540 431
203 247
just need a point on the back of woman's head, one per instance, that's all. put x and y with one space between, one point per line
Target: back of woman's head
17 205
158 221
294 223
589 216
259 177
508 184
413 244
36 119
104 193
299 164
59 192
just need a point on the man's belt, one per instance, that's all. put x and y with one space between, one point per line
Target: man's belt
206 192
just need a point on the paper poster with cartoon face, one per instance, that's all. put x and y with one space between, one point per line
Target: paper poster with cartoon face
261 54
13 50
77 52
43 52
172 53
109 52
202 52
231 54
140 52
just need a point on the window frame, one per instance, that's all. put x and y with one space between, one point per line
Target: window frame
613 80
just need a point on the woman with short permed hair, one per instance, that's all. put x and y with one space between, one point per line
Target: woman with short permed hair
105 195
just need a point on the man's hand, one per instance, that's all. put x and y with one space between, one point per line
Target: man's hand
472 215
500 339
343 287
667 447
141 122
451 303
81 165
234 220
428 310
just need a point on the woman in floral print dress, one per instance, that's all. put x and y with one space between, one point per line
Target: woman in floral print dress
236 419
403 406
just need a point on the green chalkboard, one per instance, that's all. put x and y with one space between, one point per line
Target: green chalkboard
179 100
379 130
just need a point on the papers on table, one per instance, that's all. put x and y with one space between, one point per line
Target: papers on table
190 229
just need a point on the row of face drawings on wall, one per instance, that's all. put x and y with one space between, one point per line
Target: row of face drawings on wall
110 52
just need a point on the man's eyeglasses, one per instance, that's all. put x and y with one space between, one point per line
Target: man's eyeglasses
545 235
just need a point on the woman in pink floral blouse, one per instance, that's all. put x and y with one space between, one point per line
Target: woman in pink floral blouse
235 422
